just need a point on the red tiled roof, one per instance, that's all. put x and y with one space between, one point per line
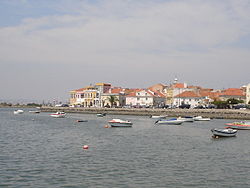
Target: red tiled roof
116 90
232 92
188 94
178 85
132 94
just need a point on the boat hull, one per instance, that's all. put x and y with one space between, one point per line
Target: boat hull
57 116
224 132
120 125
169 122
18 112
238 126
199 118
186 119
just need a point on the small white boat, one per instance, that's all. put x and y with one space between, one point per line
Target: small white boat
158 117
18 112
224 132
186 119
101 114
120 123
58 115
173 121
35 111
200 118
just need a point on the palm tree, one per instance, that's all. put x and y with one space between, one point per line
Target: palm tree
112 100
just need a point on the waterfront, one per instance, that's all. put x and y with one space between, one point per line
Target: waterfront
211 113
40 151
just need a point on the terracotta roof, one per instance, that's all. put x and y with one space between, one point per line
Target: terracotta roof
194 87
116 90
178 85
132 94
79 90
188 94
232 92
160 94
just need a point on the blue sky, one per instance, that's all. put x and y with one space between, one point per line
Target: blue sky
48 48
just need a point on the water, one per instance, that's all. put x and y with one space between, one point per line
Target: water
37 150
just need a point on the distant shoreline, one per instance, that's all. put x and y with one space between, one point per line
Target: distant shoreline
211 113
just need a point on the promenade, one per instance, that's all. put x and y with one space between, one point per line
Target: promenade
211 113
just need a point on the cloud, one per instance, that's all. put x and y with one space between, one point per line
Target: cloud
134 35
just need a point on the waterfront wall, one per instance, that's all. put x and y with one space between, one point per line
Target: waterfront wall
212 113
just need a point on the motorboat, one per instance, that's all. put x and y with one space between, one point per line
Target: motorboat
186 119
101 114
243 125
35 111
18 112
200 118
224 132
172 121
120 123
58 114
158 117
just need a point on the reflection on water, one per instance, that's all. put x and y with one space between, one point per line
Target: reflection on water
40 151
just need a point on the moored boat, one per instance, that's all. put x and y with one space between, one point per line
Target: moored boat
224 132
58 115
186 119
18 112
200 118
120 123
172 121
239 125
101 114
158 117
35 111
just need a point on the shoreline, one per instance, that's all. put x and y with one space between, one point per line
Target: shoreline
211 113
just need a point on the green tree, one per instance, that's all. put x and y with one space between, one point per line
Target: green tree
234 101
221 104
112 100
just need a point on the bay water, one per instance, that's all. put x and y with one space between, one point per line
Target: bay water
38 151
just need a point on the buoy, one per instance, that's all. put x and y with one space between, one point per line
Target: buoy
85 147
106 126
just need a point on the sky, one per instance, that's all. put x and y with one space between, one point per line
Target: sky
48 48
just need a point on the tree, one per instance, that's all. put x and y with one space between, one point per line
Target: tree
112 100
234 101
221 104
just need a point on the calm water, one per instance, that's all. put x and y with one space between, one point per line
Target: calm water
37 150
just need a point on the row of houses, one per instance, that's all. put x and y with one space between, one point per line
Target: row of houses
158 95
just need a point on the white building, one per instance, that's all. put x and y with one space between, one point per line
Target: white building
189 97
145 97
248 94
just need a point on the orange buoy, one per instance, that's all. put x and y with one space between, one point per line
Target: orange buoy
106 126
85 147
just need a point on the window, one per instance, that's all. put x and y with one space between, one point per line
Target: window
138 98
146 98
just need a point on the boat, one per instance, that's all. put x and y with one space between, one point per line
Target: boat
200 118
35 111
172 121
79 120
101 114
18 112
158 117
120 123
224 132
186 119
58 115
243 125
